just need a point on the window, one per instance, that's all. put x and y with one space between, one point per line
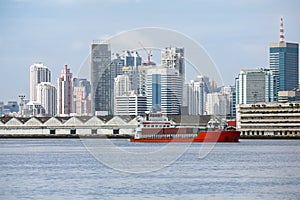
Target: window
73 131
52 131
94 131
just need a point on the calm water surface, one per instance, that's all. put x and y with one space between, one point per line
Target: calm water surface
64 169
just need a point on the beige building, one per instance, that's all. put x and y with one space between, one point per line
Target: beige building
274 119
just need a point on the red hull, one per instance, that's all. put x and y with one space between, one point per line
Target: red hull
208 136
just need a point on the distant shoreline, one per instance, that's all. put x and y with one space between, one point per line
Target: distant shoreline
103 136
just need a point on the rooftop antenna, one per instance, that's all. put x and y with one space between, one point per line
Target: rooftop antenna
281 30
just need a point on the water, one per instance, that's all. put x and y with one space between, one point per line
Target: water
64 169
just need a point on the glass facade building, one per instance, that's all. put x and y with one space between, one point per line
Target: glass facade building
164 90
254 85
100 78
284 63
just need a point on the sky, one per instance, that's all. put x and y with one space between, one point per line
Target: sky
236 34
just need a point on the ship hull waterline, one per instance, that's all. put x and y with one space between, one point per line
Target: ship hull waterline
208 136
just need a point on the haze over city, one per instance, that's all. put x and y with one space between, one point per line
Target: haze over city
236 34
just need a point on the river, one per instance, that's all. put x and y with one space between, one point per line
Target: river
67 169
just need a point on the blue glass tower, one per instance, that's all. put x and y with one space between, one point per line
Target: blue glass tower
156 92
284 63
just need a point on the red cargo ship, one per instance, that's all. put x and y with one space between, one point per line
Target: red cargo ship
157 128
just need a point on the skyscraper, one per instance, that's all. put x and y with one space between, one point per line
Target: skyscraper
65 91
101 78
127 102
217 104
254 85
196 95
284 63
132 58
116 66
38 73
81 96
164 90
133 61
122 85
230 94
173 57
47 96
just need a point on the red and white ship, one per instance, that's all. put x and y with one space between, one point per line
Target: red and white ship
157 128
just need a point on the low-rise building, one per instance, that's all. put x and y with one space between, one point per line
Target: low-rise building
274 119
288 96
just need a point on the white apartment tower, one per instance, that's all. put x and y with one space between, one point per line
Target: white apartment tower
122 85
47 96
38 73
196 95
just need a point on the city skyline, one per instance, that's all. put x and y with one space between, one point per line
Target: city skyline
55 33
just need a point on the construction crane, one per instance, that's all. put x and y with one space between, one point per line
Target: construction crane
148 52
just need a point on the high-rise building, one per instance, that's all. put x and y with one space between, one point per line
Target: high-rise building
196 96
65 92
138 84
254 85
173 57
284 63
126 101
116 66
229 93
81 96
101 78
82 82
38 73
47 97
122 85
217 104
133 62
132 59
164 90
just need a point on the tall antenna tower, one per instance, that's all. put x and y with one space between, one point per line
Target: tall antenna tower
281 30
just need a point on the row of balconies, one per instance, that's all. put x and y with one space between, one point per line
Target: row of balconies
288 110
275 106
266 115
269 120
277 129
272 133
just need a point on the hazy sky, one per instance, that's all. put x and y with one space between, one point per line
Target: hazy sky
236 34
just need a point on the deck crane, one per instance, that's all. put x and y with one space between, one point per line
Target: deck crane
148 52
